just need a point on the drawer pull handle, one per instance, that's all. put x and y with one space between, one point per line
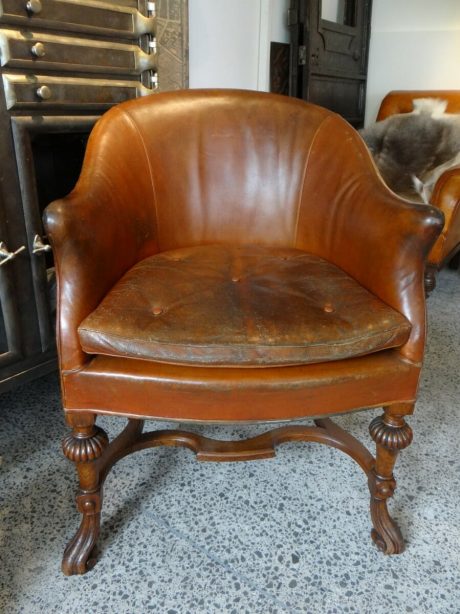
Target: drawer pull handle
44 92
38 247
38 50
6 255
34 6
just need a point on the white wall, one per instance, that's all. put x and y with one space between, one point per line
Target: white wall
273 28
230 41
415 44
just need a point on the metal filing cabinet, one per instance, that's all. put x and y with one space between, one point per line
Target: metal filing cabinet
62 64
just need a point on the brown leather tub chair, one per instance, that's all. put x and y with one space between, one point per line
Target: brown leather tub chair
232 257
446 194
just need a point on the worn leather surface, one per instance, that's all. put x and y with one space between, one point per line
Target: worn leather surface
141 388
446 194
234 306
191 168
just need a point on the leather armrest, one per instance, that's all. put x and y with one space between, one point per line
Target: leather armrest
388 245
99 231
446 197
352 219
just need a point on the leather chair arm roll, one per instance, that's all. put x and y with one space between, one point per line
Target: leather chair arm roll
357 223
446 197
100 230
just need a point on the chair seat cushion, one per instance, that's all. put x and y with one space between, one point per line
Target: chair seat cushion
236 306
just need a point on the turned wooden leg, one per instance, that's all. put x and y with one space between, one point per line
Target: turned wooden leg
430 278
391 434
84 445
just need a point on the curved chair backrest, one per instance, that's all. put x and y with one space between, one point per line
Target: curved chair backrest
218 166
402 101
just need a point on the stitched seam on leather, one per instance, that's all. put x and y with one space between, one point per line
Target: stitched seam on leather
152 182
77 370
165 418
307 159
58 320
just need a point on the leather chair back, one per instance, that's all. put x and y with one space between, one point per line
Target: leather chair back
402 101
239 178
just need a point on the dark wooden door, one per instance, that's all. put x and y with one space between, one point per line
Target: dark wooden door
329 54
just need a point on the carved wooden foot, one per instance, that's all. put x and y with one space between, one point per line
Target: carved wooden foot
79 555
391 434
84 446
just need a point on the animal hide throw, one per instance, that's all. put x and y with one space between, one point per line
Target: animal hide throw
412 150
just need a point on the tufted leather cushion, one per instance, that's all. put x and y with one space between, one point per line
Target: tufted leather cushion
235 306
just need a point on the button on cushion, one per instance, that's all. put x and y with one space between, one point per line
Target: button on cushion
240 306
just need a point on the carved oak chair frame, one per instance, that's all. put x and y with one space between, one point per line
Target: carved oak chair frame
345 215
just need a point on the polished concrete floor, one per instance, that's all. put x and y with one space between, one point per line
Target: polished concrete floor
285 535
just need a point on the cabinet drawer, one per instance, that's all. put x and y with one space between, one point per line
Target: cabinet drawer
108 19
47 52
36 91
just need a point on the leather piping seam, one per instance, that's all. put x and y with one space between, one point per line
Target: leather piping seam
77 369
393 330
304 174
152 182
133 415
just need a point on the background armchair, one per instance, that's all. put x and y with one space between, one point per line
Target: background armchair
234 257
446 194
